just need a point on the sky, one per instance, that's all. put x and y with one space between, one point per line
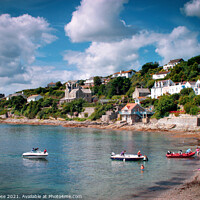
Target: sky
43 41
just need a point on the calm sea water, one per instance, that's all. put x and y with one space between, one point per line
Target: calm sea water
79 163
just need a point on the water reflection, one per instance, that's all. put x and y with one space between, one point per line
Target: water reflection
28 162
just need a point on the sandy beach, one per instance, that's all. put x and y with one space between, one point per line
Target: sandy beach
188 190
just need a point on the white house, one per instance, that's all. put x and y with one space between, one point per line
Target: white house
172 63
89 82
160 88
160 75
15 95
190 84
126 74
197 88
34 98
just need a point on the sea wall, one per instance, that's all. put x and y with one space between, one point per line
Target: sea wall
180 121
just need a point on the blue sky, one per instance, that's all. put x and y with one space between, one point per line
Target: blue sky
47 40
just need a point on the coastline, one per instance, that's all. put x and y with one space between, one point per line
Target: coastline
188 190
171 130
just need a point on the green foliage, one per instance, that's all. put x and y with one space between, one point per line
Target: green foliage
192 60
148 102
73 106
32 109
81 82
191 109
165 104
58 84
186 91
196 100
100 110
146 67
194 110
16 102
97 81
3 112
183 100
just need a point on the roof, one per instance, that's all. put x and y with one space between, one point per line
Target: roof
35 95
51 83
130 106
176 60
86 90
123 72
162 73
143 90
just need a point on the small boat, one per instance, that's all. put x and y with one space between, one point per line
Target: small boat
128 157
36 154
178 155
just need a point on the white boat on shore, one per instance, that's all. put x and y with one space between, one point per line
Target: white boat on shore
35 154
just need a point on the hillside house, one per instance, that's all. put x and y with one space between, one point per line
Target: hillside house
160 75
89 82
126 74
15 95
141 92
132 112
76 93
34 98
197 87
170 87
51 85
172 63
160 88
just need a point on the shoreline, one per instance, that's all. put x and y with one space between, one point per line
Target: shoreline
187 190
173 131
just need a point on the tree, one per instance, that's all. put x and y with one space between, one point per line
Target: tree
165 104
146 67
58 84
186 91
117 86
17 102
192 60
183 100
97 81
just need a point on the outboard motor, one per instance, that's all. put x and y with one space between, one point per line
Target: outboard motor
145 158
112 154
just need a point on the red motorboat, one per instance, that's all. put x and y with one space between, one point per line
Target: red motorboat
178 155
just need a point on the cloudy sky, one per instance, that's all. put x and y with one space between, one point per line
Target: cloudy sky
46 40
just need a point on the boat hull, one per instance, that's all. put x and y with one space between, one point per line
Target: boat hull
35 155
128 157
177 155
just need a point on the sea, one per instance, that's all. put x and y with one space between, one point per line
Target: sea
79 165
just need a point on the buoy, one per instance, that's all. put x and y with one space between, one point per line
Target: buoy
124 159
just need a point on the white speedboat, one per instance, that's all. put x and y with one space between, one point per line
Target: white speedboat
35 154
128 157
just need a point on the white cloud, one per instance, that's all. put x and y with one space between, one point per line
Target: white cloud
98 21
192 8
34 77
20 38
103 58
180 43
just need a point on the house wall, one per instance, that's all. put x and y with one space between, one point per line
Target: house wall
160 76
